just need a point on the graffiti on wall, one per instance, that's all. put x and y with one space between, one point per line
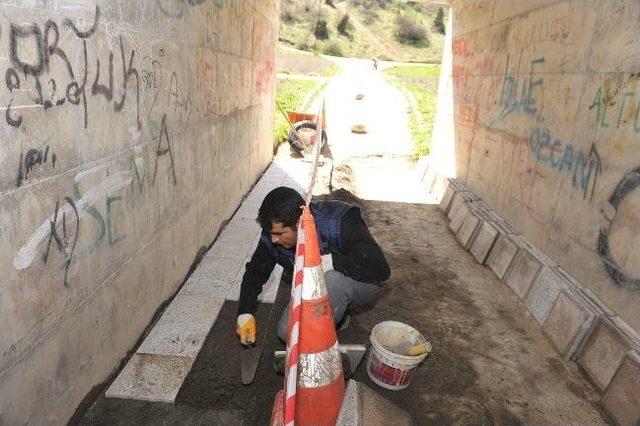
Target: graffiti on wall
35 157
537 152
629 183
28 76
612 105
583 168
518 92
66 65
460 46
58 232
177 9
64 240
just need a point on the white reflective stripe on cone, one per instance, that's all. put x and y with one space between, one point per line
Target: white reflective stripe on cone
295 332
320 369
313 285
296 296
291 385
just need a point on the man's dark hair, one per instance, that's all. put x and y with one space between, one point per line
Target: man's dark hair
280 205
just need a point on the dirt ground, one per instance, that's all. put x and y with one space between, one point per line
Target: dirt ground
491 363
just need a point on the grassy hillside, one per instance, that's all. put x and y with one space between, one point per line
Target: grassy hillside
386 29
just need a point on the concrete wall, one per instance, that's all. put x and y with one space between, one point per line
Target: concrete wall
542 100
129 131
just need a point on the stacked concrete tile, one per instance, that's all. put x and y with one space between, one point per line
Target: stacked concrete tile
452 189
504 251
429 177
470 226
621 399
436 183
605 349
161 363
543 293
420 170
577 323
483 243
459 206
571 317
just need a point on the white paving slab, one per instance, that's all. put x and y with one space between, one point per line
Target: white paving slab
483 243
237 240
213 277
175 338
502 255
151 378
543 293
193 309
249 209
202 285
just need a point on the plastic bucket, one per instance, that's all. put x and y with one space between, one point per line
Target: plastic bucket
388 364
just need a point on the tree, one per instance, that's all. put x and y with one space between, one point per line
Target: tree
343 25
438 22
321 32
409 31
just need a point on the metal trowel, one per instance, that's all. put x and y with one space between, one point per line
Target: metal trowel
250 354
249 360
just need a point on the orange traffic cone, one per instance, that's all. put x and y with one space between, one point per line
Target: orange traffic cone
320 387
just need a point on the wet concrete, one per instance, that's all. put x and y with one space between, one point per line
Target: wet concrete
212 392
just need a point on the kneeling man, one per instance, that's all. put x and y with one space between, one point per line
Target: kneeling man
352 261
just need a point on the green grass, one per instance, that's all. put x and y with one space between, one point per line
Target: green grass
316 92
419 83
289 94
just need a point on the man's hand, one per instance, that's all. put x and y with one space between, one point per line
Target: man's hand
246 329
327 262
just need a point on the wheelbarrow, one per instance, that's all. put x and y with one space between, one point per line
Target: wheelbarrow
302 135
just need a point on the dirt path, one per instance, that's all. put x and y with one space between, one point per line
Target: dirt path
382 110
